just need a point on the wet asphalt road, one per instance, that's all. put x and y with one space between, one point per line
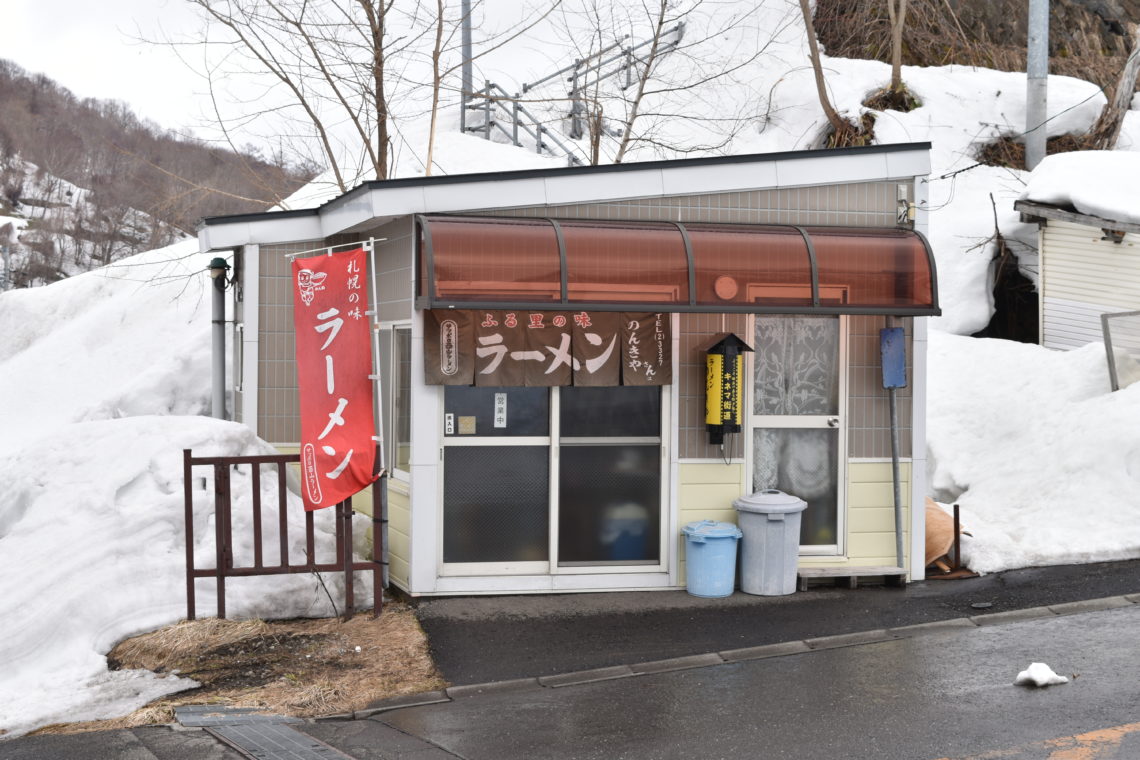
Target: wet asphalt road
927 697
480 639
941 695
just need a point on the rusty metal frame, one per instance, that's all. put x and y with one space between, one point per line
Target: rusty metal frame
223 538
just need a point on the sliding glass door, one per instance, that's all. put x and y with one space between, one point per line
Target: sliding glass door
609 484
551 480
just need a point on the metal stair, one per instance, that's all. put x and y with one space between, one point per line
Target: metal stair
503 112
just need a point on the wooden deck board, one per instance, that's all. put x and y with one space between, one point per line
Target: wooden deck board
849 576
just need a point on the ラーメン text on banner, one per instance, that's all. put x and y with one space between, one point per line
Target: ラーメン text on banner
334 364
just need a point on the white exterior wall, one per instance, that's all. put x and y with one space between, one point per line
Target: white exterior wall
1082 277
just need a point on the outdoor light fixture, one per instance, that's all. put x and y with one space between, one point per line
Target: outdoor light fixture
218 267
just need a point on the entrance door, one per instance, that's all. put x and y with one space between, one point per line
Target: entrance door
496 480
798 421
609 476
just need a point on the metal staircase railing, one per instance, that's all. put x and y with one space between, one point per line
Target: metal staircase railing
493 101
498 107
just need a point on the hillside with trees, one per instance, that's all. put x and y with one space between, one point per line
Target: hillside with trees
95 182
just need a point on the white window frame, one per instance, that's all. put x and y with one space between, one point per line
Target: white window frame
390 368
839 549
550 567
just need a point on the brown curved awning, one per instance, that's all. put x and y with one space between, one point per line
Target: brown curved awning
491 262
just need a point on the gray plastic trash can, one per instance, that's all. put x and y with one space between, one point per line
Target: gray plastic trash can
770 549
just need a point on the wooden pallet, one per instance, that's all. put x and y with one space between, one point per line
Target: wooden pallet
849 576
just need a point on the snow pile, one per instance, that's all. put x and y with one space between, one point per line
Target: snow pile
1039 674
93 527
1042 458
91 519
131 338
1099 183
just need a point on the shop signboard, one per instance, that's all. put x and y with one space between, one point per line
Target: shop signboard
516 348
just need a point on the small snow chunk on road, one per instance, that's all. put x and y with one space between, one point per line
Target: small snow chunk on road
1039 674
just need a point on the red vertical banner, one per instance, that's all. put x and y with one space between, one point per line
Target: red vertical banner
334 362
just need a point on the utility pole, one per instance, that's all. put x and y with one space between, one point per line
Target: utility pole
6 282
468 79
1037 69
8 239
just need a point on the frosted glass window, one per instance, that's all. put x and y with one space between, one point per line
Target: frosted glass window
496 504
797 365
610 509
802 462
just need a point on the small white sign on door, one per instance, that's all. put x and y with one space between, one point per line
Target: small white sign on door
500 410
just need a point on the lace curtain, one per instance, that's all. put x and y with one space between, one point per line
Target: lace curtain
797 373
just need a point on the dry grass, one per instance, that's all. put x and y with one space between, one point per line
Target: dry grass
851 134
291 667
891 99
989 33
1008 152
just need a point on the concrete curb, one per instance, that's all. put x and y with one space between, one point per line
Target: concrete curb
405 700
587 676
731 656
850 639
1013 616
677 663
938 626
472 690
1091 605
763 652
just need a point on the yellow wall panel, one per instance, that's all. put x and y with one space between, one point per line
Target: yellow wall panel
720 515
866 545
398 572
877 520
399 531
708 496
711 472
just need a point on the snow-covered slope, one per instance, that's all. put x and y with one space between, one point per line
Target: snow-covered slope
100 375
67 229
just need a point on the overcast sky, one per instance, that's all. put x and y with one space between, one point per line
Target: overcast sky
88 47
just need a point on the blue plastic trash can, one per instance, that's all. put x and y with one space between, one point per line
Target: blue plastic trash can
710 554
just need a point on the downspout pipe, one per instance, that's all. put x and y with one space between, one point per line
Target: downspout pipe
217 269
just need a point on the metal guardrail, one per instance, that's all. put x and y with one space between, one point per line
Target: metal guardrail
495 102
224 566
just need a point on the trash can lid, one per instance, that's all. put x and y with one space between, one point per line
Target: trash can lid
711 529
770 501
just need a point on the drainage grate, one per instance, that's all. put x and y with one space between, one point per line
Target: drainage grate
275 741
255 735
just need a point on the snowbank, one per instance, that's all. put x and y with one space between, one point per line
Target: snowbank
1095 182
92 546
93 528
1042 458
131 338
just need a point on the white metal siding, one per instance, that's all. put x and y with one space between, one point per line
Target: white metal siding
1084 277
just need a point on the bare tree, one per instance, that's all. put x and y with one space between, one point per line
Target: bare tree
896 11
1106 131
843 131
668 75
334 68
